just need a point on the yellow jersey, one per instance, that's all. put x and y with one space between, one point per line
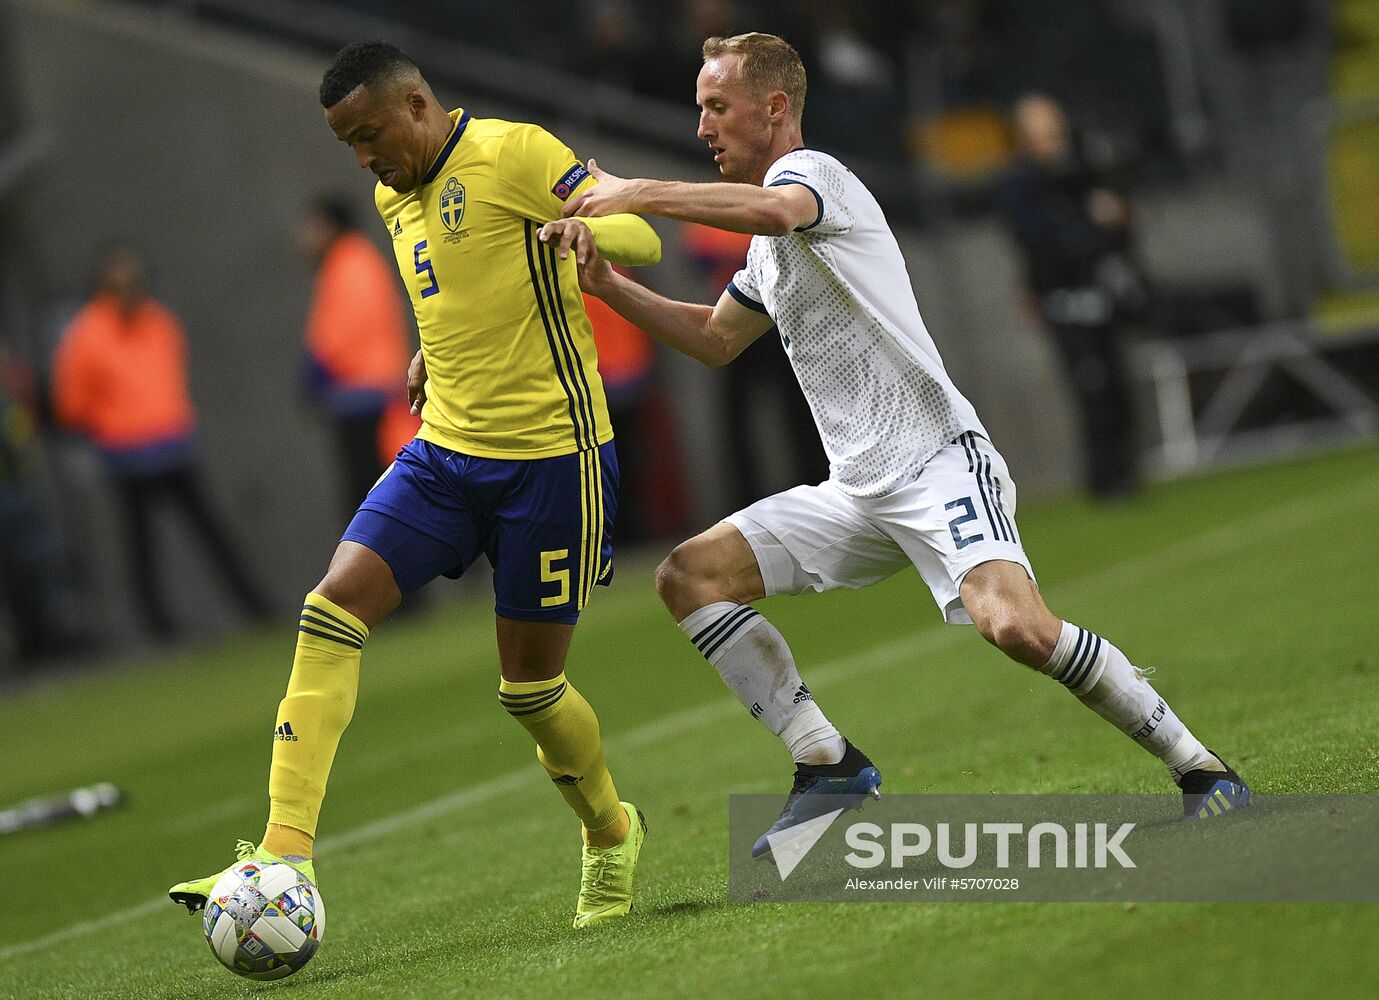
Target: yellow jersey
510 361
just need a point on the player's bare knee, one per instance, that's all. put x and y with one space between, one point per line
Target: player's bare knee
681 581
360 582
986 627
1017 635
702 571
343 595
668 580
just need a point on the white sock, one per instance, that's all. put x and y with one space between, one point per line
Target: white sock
754 660
1110 685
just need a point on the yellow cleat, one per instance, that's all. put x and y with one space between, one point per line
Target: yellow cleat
193 894
605 890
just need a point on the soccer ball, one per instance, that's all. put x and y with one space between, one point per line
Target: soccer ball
264 921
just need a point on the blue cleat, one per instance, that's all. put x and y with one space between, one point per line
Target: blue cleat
1211 793
822 788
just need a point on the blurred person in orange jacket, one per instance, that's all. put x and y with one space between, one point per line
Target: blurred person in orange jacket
120 378
357 346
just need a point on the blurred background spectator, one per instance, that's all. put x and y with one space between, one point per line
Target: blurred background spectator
120 379
1074 231
357 348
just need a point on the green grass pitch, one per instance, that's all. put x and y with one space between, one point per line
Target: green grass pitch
450 865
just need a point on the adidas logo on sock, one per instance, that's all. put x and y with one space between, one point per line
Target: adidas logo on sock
568 779
284 732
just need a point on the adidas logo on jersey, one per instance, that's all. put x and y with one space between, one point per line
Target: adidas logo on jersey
397 227
284 732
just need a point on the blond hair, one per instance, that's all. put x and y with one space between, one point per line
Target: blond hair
768 63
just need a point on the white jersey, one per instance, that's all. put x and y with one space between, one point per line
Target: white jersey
841 298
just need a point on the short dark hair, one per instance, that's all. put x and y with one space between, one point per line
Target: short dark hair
361 64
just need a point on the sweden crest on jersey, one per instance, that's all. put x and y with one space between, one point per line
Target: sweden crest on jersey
452 204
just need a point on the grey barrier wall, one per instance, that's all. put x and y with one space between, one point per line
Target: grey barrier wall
202 152
203 145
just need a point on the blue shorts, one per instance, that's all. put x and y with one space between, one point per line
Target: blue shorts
545 524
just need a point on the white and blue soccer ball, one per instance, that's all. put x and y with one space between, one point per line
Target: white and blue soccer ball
264 921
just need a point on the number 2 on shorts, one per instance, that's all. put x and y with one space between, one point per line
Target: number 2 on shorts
953 526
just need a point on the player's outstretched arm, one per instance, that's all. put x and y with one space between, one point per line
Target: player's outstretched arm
741 208
712 335
623 239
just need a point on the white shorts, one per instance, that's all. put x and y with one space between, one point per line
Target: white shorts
959 513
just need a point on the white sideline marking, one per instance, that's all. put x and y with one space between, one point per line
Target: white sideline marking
1209 546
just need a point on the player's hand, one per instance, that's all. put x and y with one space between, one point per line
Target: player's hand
416 384
609 196
567 235
595 273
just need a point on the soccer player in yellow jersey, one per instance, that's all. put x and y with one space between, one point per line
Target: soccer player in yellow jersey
514 458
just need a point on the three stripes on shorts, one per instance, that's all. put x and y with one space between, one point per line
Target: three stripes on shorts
989 488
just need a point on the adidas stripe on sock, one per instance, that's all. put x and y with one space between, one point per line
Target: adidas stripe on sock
1105 681
755 662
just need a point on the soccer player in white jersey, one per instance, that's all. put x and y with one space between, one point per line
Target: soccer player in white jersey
914 478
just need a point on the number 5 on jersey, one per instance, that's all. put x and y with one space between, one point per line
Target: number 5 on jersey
424 267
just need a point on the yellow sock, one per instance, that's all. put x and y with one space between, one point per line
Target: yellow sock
319 704
567 744
286 842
